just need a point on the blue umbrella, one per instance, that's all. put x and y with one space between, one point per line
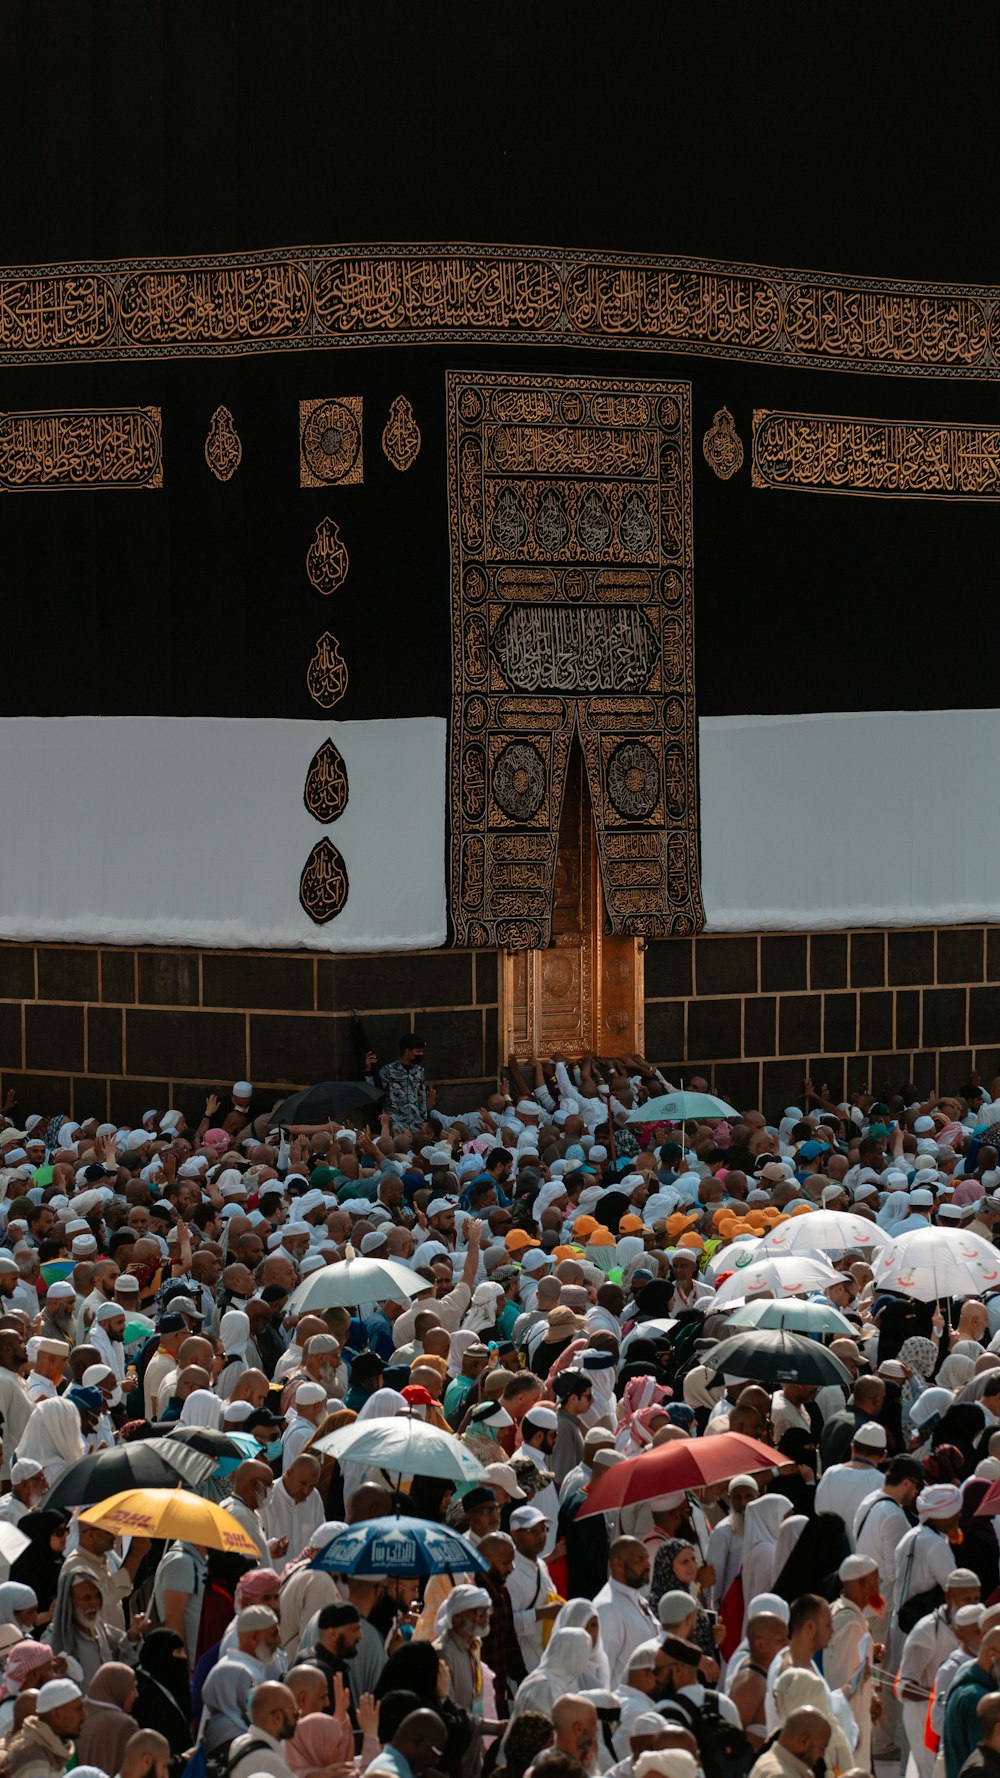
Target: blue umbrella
399 1548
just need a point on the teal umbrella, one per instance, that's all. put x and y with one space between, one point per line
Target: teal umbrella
680 1108
793 1313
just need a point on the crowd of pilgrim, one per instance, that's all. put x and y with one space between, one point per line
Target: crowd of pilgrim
573 1266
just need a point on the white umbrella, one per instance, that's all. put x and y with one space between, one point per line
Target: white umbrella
405 1447
784 1277
725 1258
350 1282
934 1262
12 1542
823 1231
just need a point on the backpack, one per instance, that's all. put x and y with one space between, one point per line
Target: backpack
724 1749
220 1761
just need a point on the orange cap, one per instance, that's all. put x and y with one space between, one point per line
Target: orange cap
519 1238
601 1237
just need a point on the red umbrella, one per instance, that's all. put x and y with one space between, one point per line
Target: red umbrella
683 1463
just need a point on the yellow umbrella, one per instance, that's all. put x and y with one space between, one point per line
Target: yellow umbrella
166 1513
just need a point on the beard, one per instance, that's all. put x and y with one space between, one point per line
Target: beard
328 1377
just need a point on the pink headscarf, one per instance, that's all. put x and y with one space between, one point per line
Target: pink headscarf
318 1741
642 1426
23 1660
216 1139
254 1585
640 1392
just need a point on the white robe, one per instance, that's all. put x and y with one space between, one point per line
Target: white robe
296 1520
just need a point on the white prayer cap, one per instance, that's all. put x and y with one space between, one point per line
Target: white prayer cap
24 1469
599 1153
55 1348
373 1240
54 1694
95 1375
193 1168
242 1089
109 1312
923 1126
60 1292
308 1394
326 1533
542 1418
528 1108
643 1656
83 1245
313 1262
170 1120
238 1411
856 1567
345 1135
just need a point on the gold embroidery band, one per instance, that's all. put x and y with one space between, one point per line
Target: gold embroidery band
308 297
95 447
570 516
915 459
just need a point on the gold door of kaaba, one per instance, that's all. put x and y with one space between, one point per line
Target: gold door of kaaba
584 993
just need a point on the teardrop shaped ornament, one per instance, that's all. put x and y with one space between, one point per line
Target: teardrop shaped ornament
327 674
326 789
326 558
223 450
401 435
323 885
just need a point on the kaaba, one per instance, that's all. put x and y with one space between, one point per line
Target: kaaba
508 498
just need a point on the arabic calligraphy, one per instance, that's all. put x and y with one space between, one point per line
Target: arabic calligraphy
326 677
223 449
326 558
98 447
578 476
326 789
329 296
722 445
923 459
330 442
245 302
575 648
323 885
401 435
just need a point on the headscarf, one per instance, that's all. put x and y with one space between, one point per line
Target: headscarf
979 1539
38 1566
813 1559
579 1614
461 1598
484 1308
920 1355
319 1741
24 1659
458 1345
107 1729
385 1404
53 1437
413 1668
895 1209
158 1660
559 1671
761 1523
640 1393
798 1687
15 1596
255 1583
957 1369
234 1334
929 1407
202 1408
961 1425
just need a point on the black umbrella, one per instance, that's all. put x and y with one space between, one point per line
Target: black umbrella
329 1099
202 1439
775 1356
144 1463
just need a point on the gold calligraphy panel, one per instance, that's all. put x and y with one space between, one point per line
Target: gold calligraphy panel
917 459
300 298
96 447
571 562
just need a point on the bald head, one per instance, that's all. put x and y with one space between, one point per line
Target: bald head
805 1735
